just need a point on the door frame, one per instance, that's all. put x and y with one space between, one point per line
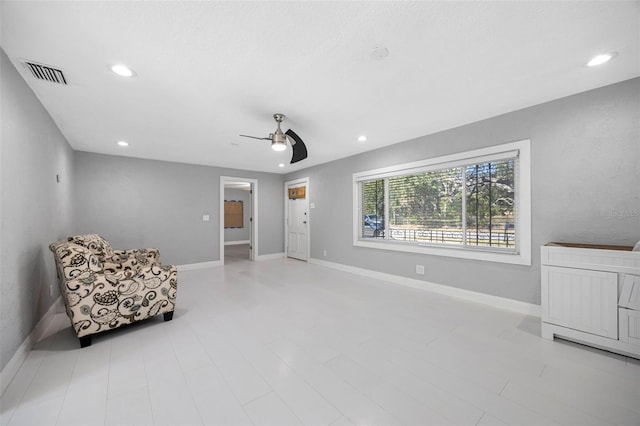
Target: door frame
287 184
253 237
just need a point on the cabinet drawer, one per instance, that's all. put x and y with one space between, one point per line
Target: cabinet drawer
630 326
581 299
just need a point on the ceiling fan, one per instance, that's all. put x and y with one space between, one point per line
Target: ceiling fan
279 140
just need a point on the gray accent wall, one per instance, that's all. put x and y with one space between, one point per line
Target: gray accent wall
244 233
585 155
35 209
136 203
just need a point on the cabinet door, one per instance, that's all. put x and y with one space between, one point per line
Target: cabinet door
581 299
630 326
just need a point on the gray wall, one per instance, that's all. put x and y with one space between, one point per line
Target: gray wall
585 188
148 203
35 209
244 233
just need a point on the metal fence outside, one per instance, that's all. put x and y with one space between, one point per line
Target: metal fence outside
483 238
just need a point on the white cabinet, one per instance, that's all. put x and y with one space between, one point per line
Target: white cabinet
589 295
581 299
630 326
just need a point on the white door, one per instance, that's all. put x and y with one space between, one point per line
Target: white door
297 226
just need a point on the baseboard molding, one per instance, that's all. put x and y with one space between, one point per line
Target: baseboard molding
19 357
235 243
271 256
201 265
486 299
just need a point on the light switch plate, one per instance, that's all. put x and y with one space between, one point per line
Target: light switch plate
205 218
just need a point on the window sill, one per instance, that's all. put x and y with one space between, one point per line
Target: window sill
487 255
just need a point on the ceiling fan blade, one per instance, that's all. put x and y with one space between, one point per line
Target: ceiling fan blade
299 148
255 137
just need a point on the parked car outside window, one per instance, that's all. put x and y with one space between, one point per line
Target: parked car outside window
377 225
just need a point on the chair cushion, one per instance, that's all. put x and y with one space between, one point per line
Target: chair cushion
94 242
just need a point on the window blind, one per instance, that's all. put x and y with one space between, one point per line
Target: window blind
469 204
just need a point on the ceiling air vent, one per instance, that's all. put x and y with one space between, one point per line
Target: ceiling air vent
45 72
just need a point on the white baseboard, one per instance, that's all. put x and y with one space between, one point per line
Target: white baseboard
18 358
262 257
486 299
234 243
201 265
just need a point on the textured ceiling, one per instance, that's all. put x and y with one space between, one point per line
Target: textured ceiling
208 71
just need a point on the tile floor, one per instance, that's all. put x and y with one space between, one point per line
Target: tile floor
282 342
236 253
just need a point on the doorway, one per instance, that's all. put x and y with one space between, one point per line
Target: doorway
238 219
297 219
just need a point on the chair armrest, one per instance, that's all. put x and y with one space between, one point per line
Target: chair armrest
147 251
164 280
81 295
132 259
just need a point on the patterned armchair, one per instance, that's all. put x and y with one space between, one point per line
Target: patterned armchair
102 291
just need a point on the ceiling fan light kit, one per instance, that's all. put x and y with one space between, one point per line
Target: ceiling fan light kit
278 143
279 140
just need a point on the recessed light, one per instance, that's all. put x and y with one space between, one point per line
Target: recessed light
601 59
362 138
281 165
123 143
123 70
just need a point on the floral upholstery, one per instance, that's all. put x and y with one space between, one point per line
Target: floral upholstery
94 242
97 299
116 260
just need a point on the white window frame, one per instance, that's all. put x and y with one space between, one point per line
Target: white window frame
523 206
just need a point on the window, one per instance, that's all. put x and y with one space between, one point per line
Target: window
472 205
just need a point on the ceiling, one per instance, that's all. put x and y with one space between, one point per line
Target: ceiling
208 71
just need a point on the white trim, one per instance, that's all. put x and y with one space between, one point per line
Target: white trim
271 256
459 252
287 185
453 160
253 253
201 265
459 293
235 243
13 366
523 214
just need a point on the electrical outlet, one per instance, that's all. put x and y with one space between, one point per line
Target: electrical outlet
420 269
324 252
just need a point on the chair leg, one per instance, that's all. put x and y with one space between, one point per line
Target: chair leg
85 341
168 316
